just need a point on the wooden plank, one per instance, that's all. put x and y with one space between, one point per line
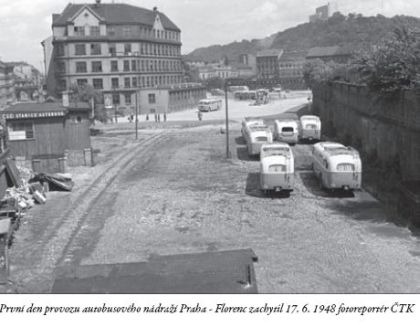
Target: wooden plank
13 172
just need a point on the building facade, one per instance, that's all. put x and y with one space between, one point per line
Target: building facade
334 53
117 48
268 64
7 87
291 66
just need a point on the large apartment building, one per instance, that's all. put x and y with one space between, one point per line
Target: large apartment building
7 87
117 48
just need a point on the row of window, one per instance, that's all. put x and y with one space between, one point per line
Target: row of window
127 82
134 30
145 81
127 31
144 48
128 66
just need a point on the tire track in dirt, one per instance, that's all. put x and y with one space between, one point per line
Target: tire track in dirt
38 279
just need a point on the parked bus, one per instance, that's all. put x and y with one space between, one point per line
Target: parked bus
209 105
256 137
337 166
276 168
310 128
286 131
250 121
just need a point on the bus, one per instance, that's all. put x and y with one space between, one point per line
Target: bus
256 137
286 131
248 122
209 105
310 128
276 168
337 166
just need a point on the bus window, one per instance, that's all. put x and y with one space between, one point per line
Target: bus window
345 167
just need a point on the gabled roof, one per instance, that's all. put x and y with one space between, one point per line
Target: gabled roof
270 53
115 14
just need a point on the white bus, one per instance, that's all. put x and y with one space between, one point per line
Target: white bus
209 105
256 137
286 131
276 168
337 166
310 127
248 122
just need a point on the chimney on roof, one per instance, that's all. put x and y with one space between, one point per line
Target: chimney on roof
155 9
98 2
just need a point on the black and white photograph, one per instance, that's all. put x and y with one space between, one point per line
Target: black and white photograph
209 147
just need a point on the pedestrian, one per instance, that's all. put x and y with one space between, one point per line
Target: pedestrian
164 117
131 118
200 115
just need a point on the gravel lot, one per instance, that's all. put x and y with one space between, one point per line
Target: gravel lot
173 192
188 198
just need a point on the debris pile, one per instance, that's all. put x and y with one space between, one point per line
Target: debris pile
27 189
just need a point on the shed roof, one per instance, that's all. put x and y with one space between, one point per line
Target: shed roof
211 272
115 13
45 107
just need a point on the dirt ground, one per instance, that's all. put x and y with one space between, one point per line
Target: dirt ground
173 191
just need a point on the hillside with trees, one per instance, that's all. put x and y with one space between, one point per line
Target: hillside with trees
353 31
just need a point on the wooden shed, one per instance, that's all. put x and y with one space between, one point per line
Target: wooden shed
48 136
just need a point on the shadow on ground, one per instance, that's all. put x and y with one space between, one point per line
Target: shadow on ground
242 154
312 184
253 189
240 140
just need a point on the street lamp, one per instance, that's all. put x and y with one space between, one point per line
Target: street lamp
227 119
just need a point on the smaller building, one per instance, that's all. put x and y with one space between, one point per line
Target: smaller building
172 99
48 137
334 53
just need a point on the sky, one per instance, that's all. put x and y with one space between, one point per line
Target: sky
25 23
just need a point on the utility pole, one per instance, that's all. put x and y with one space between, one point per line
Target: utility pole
227 120
137 115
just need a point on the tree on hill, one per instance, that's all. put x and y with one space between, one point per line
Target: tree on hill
354 31
393 65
